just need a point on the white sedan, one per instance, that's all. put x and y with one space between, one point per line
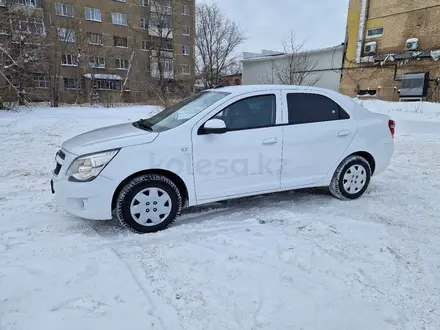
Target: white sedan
221 144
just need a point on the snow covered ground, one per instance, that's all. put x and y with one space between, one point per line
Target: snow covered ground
299 260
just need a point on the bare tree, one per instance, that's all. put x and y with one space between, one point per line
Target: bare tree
294 67
22 34
161 30
65 47
156 32
217 39
234 68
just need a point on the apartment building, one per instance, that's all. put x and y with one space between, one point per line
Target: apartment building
392 50
114 49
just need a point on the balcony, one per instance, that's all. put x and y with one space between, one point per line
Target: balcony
163 7
160 32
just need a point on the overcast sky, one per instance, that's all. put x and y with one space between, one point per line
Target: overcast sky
321 22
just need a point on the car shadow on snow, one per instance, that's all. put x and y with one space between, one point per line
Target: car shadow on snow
297 200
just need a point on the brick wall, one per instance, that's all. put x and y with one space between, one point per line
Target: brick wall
381 8
401 20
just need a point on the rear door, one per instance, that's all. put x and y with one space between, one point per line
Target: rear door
317 133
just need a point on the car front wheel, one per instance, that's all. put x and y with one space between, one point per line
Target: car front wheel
148 203
351 178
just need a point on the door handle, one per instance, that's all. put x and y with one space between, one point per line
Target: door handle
271 140
343 133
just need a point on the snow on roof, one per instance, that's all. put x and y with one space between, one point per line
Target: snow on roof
102 76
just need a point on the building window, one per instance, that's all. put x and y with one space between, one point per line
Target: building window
185 69
66 35
167 67
145 44
161 21
185 9
69 60
107 85
14 80
367 92
119 19
161 43
185 50
162 3
63 9
143 3
4 30
375 33
144 23
2 3
121 64
41 81
185 30
167 44
120 42
29 3
33 26
71 83
93 14
97 62
94 38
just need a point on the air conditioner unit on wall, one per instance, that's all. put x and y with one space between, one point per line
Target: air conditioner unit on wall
370 48
412 44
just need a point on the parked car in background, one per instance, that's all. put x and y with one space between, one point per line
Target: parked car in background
222 144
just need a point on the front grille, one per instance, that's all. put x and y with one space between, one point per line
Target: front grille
57 169
61 154
59 159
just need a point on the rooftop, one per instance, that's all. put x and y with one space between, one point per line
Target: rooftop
249 57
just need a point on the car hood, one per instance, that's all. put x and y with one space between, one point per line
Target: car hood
110 137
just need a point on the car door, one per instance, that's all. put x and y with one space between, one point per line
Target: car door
317 133
246 159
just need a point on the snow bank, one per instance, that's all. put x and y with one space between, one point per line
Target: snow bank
77 119
417 111
297 260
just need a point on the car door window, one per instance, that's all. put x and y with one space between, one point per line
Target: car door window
312 108
252 112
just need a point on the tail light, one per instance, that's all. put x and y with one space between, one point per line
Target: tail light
392 126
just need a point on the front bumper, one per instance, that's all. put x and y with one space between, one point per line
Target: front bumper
89 200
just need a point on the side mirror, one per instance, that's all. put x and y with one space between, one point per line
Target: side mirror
214 126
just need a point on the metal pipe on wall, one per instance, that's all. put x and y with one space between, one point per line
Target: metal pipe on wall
361 34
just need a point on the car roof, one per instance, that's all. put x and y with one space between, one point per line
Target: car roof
241 89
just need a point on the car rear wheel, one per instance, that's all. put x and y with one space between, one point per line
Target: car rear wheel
351 178
148 203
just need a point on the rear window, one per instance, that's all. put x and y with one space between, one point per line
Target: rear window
313 108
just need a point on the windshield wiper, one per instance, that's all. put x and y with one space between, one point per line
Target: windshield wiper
144 124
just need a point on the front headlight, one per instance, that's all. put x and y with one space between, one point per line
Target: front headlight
86 168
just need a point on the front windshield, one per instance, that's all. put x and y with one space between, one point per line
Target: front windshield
181 112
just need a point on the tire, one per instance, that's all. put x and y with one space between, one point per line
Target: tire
148 204
351 178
